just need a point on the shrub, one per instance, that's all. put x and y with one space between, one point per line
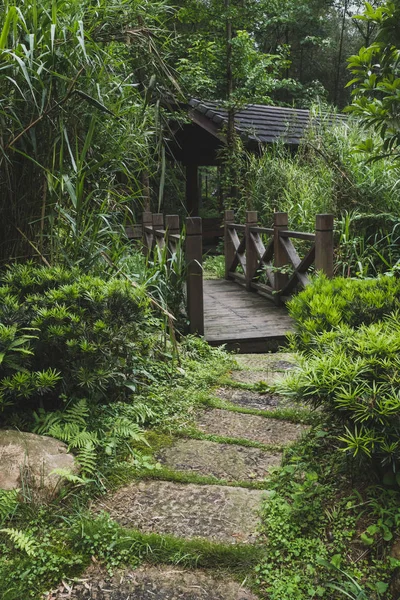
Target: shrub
69 336
326 304
352 371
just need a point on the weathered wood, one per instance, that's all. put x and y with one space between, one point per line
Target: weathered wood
297 235
291 251
172 224
192 189
324 244
229 248
194 278
147 225
244 322
158 230
281 279
251 250
267 230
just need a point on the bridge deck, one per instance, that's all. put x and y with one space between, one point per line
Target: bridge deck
244 321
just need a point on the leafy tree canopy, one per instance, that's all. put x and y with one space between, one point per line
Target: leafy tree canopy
376 70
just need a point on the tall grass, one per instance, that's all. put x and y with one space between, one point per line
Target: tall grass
79 121
327 174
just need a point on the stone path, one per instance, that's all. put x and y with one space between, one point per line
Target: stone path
153 583
218 512
225 461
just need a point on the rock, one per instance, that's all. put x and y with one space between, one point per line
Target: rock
27 461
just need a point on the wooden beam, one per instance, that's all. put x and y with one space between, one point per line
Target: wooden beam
192 190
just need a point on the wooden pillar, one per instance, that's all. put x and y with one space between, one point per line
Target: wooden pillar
192 190
229 249
172 224
194 277
147 238
280 260
251 254
172 228
324 244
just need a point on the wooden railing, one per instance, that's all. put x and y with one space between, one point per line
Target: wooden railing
268 253
155 231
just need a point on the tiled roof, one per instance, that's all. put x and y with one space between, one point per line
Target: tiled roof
260 123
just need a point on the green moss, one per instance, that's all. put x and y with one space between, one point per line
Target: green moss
294 415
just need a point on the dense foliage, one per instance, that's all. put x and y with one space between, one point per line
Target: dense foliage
377 79
350 333
71 336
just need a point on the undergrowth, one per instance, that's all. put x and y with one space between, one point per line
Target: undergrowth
327 531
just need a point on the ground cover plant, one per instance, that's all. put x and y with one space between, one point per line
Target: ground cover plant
337 495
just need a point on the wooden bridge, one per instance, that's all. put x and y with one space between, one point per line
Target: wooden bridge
263 267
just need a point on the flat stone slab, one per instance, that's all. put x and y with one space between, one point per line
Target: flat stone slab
217 513
277 361
216 421
151 583
225 461
268 368
250 399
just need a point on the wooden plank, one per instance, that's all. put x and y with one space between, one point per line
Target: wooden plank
298 235
245 322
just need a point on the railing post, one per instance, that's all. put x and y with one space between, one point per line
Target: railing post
280 223
147 240
251 254
229 249
171 228
172 224
158 223
324 244
194 277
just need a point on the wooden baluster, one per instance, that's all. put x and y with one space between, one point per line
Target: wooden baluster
194 277
172 224
158 223
172 228
229 248
280 223
251 253
324 244
147 221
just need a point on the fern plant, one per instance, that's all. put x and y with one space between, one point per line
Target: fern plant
8 504
109 434
21 540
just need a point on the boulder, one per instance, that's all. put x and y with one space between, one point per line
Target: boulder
27 461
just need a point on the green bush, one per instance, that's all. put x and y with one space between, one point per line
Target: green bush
350 332
69 336
326 304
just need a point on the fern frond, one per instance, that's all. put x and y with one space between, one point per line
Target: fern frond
21 540
68 476
8 503
86 458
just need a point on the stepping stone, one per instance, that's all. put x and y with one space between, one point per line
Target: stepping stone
151 583
278 361
268 368
250 427
225 461
250 399
217 513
